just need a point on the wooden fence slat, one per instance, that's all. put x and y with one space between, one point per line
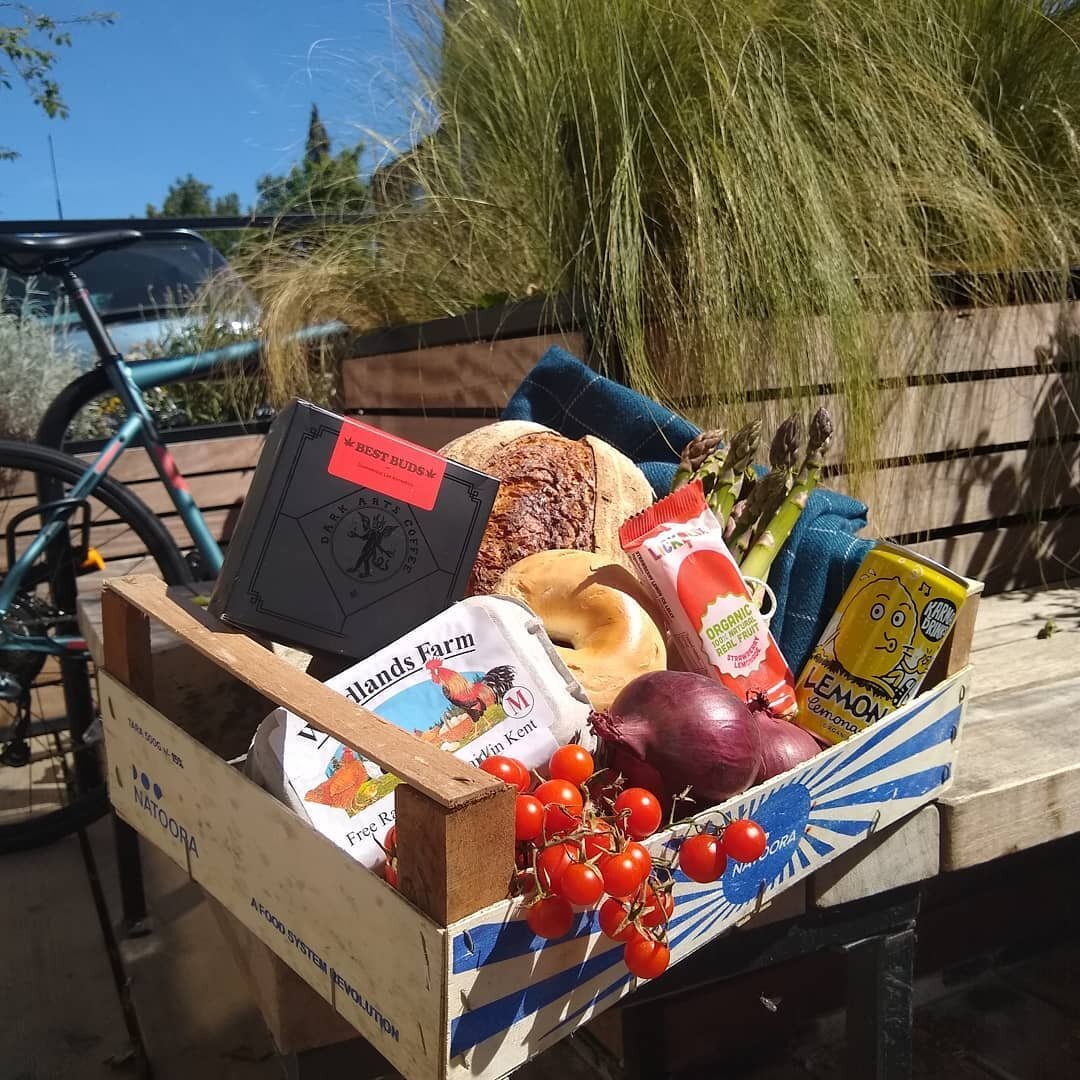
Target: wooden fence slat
119 542
116 541
956 416
939 494
957 340
433 431
470 375
192 458
195 458
1033 554
991 338
213 490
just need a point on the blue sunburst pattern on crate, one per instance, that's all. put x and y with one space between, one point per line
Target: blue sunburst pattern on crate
517 987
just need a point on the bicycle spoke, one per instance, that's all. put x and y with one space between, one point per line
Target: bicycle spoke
50 783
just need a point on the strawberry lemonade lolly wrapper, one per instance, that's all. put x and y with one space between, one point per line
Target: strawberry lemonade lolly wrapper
678 550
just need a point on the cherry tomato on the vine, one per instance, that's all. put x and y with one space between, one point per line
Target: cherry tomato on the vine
550 917
744 840
559 822
562 806
561 793
612 915
600 841
646 958
528 818
641 811
659 906
642 859
701 857
573 763
390 841
551 864
508 770
581 885
621 875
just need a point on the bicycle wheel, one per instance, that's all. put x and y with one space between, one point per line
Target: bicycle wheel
52 780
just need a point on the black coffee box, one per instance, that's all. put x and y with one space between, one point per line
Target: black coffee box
349 537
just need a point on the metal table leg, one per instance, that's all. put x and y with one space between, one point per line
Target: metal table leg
644 1040
129 867
879 1006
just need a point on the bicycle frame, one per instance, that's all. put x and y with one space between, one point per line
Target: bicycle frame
128 381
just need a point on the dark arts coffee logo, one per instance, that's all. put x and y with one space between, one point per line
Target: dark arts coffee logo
372 542
368 547
377 549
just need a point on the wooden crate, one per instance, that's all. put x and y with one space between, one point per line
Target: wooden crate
443 977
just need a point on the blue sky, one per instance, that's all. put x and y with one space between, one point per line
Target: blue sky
219 88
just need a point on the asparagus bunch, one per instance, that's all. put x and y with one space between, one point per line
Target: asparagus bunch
770 489
758 513
771 538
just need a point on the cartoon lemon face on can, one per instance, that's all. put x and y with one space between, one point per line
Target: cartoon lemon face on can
879 644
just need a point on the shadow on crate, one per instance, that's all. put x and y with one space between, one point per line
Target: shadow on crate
297 1017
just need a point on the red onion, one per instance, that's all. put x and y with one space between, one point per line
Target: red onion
783 745
672 730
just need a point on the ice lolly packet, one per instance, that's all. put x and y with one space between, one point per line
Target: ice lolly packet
678 551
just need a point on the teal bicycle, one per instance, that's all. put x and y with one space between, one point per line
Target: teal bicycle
64 524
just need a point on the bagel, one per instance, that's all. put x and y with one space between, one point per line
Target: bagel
553 493
596 614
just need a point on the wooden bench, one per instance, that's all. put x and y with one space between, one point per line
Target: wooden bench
1018 777
1016 786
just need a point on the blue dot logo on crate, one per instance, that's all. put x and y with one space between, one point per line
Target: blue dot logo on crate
148 795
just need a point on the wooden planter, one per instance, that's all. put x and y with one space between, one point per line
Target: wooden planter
979 454
443 977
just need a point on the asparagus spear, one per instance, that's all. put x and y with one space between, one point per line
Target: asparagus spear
769 494
694 455
765 548
746 492
769 491
727 469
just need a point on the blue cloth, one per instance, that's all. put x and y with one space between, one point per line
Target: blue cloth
815 564
813 569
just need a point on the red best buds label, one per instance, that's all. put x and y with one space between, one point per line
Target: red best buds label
373 459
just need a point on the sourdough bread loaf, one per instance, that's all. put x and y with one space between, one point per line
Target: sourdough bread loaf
554 492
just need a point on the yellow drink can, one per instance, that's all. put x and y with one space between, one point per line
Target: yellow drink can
879 643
